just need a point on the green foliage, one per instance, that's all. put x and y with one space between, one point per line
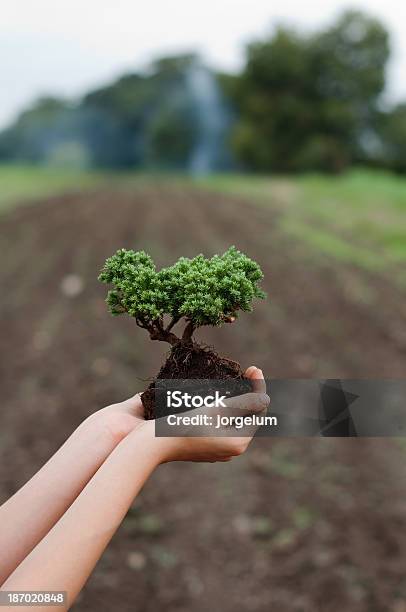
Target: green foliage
308 101
22 184
171 137
357 218
203 291
25 139
140 120
303 101
392 136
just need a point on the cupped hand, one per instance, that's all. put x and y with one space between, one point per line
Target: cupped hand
119 420
225 444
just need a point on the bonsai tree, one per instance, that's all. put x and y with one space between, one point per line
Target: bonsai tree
191 293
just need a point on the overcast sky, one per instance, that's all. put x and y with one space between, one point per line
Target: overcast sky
64 47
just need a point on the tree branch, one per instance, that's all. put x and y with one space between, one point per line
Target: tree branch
164 336
173 322
188 332
157 331
142 324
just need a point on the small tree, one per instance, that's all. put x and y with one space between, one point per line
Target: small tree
198 291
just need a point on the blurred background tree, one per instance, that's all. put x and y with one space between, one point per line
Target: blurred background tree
138 120
305 102
392 139
301 102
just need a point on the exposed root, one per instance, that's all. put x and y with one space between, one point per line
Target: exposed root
193 361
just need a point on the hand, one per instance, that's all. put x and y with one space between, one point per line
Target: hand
36 508
97 474
118 420
221 447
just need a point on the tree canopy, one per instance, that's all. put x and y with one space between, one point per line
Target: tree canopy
200 290
305 100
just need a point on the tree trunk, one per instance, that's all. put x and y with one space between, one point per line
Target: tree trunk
188 332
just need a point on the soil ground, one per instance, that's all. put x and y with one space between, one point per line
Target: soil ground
293 525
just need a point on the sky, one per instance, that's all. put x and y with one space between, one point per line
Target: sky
65 47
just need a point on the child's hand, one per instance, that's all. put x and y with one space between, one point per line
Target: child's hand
227 445
97 474
118 420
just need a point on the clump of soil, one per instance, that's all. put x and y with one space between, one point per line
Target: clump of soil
195 362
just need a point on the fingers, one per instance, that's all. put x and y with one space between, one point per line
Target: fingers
248 403
236 446
133 405
256 401
256 377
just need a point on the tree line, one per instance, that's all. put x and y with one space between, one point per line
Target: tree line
301 102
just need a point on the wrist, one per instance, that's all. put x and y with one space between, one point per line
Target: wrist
160 448
106 427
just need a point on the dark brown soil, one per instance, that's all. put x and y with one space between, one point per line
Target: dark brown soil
195 362
312 525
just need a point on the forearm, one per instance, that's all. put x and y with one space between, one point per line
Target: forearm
64 559
66 555
28 516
